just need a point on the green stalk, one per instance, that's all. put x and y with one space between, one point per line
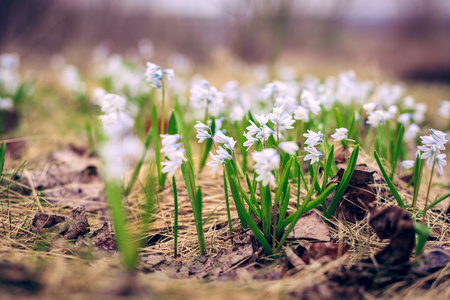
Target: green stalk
163 115
175 229
139 164
429 188
418 169
227 202
127 248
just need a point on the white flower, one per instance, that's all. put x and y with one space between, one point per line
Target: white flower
411 132
223 139
313 138
407 164
404 118
154 74
112 102
313 155
444 109
223 154
116 123
262 119
376 117
205 95
370 107
250 140
201 126
429 141
439 136
202 136
428 152
266 161
273 89
301 114
279 118
174 161
440 162
287 103
341 134
6 104
289 147
309 102
215 163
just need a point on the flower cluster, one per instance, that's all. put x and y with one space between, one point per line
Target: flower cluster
154 74
174 154
431 147
313 139
222 154
266 161
256 133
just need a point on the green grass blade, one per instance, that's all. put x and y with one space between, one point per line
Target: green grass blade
340 125
227 202
2 157
389 182
127 248
140 163
422 234
182 130
266 209
242 212
418 169
155 135
208 146
172 129
397 149
343 184
175 224
437 201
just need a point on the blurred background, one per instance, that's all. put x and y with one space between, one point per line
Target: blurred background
408 39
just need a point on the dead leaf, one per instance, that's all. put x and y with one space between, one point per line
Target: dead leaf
330 249
312 227
293 258
393 223
432 261
71 178
79 224
43 220
103 238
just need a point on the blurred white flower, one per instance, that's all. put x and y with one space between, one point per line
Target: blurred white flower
301 114
444 109
440 163
6 104
289 147
204 95
411 132
376 117
407 164
309 102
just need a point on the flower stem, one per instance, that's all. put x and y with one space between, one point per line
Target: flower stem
429 188
163 117
175 226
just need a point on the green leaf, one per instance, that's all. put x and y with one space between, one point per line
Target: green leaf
397 150
422 234
182 130
438 201
208 145
344 183
339 125
282 185
418 170
227 202
266 209
389 182
155 135
128 249
172 129
2 157
244 216
140 163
